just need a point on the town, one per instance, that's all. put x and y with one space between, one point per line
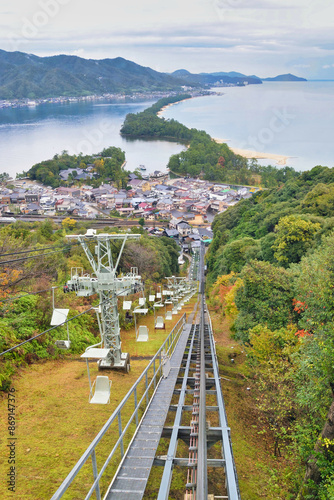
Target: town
180 208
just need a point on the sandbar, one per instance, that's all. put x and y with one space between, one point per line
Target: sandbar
249 154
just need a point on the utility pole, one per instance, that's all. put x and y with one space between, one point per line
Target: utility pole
105 282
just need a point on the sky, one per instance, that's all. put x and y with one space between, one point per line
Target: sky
261 37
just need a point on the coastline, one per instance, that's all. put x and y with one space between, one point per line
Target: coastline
280 160
250 154
159 113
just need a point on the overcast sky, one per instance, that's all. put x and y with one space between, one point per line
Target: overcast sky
262 37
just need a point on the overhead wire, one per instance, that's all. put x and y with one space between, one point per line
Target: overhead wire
46 331
31 257
65 248
30 251
54 327
27 294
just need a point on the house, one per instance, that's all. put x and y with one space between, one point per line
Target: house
4 209
126 211
184 228
31 197
17 197
74 211
171 233
163 189
165 204
68 191
5 199
149 216
63 205
34 209
75 173
204 233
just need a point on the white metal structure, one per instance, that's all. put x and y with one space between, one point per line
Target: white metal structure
141 331
101 394
169 315
106 283
59 316
142 334
159 324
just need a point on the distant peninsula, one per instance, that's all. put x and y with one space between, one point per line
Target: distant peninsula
30 77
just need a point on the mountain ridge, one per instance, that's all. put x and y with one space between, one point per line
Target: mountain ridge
27 76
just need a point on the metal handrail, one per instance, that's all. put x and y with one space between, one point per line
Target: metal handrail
168 347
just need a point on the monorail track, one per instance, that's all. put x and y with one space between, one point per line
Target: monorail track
184 427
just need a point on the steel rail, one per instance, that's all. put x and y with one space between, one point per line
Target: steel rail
171 454
168 346
202 473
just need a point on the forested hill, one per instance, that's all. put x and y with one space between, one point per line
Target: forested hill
26 76
29 76
271 269
65 169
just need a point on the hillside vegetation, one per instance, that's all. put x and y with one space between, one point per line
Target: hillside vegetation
29 76
104 166
25 288
271 271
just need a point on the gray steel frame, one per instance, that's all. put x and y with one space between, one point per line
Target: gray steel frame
156 365
168 468
222 433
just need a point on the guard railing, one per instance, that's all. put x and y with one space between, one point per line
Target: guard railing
136 402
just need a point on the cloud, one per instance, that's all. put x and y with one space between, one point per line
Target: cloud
302 66
246 33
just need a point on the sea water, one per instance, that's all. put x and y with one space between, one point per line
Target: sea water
29 135
295 119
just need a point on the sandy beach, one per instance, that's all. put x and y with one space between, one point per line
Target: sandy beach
249 154
246 153
159 113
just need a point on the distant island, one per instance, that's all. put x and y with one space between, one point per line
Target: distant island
285 78
27 76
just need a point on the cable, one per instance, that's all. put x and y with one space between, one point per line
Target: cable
43 333
32 256
28 251
26 294
54 327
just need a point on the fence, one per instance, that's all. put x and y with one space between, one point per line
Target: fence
139 398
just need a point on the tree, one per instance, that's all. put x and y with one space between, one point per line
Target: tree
320 200
8 278
141 222
46 229
68 223
294 235
235 255
271 357
264 298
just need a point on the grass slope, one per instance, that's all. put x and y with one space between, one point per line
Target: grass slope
55 423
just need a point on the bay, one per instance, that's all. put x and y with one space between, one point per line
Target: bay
294 119
31 134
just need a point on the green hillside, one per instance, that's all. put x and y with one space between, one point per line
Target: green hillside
28 76
271 269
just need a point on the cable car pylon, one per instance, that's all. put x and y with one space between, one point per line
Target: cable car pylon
105 282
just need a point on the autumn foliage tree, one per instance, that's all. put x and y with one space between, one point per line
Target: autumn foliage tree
294 235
